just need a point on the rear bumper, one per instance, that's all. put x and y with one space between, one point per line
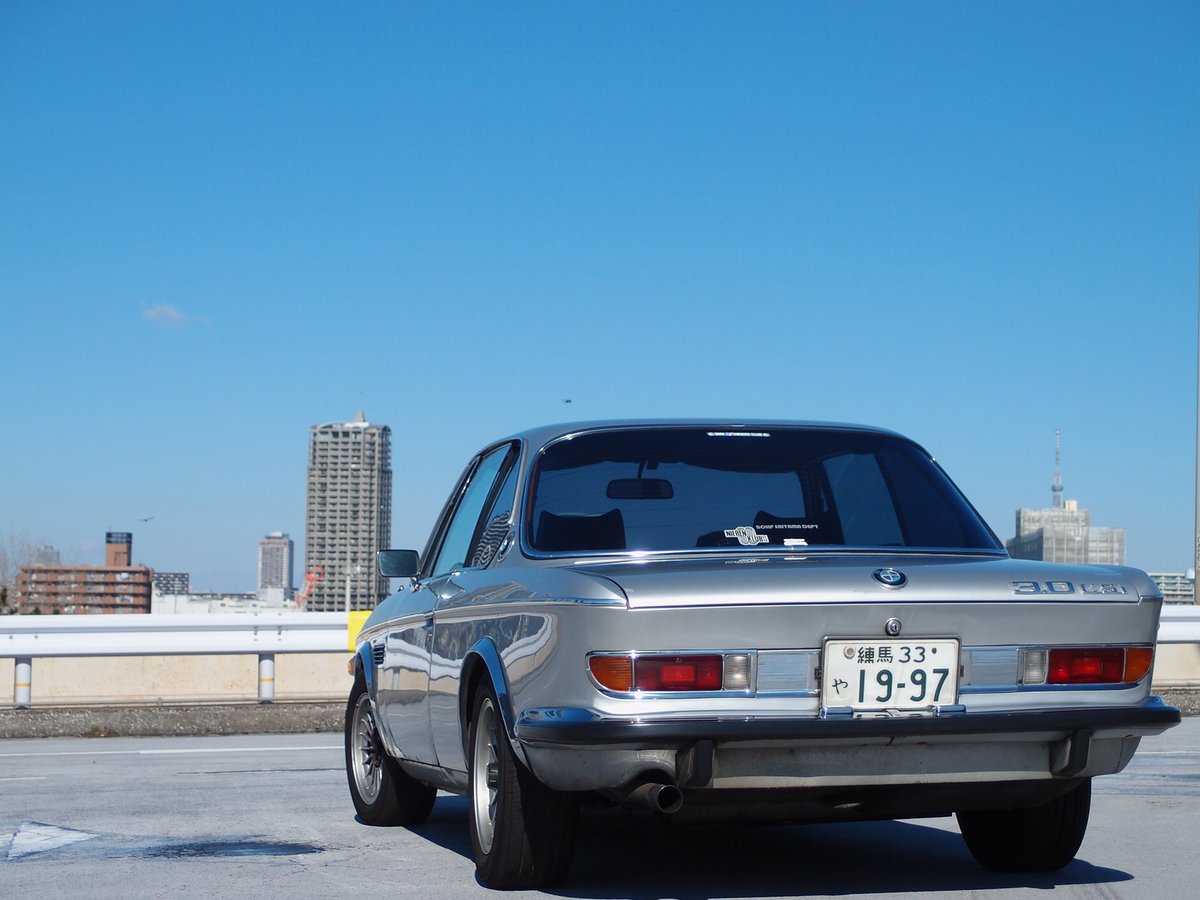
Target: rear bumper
581 728
573 749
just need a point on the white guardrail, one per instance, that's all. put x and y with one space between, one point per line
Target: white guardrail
265 633
1180 624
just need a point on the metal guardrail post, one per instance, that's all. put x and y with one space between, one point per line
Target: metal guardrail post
266 677
23 683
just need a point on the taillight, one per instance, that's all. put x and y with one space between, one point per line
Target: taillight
677 673
628 672
1087 665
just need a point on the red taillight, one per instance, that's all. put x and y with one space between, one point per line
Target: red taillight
677 673
1087 665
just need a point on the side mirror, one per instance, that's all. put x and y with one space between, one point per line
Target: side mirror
398 563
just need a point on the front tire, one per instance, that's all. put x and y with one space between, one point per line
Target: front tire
1040 839
383 793
522 832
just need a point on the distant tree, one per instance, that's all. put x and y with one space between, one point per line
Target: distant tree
36 611
16 550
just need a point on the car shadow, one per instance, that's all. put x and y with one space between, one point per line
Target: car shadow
623 854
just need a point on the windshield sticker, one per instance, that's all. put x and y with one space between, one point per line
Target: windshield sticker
739 434
747 536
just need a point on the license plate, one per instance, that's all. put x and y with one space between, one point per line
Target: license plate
902 675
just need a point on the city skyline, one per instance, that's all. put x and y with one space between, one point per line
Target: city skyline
275 550
971 224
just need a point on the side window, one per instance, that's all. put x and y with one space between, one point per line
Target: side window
462 527
496 524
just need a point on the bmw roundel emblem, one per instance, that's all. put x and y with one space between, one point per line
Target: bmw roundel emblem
890 578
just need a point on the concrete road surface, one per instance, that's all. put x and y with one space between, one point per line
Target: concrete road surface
269 816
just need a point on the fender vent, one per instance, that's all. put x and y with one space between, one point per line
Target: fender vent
377 654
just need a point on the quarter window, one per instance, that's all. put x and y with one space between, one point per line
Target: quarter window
461 529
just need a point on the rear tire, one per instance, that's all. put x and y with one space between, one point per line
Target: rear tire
1041 839
522 832
383 793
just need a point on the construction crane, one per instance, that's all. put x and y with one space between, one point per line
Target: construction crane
311 578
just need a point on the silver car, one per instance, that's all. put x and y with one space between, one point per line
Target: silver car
775 620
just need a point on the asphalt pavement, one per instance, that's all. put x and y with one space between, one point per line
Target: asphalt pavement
269 816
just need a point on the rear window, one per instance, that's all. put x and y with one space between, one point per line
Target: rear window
687 488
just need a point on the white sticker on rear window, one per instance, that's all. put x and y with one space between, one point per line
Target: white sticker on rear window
747 536
738 433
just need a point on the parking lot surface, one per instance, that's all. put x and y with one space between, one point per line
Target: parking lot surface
269 816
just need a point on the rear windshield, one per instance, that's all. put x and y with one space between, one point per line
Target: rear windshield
686 488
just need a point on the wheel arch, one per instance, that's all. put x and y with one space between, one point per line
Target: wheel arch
483 661
364 668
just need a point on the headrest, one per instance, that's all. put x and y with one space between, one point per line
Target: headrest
605 531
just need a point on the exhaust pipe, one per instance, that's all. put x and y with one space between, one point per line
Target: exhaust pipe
663 798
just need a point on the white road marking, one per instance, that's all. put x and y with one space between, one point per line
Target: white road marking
167 752
1168 753
25 778
34 837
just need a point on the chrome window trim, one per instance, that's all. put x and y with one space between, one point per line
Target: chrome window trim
530 456
788 552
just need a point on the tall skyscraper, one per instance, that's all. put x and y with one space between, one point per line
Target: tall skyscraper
275 570
349 514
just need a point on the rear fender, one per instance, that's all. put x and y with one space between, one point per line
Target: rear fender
483 661
364 665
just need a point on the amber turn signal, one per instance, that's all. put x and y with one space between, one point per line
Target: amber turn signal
612 672
1137 663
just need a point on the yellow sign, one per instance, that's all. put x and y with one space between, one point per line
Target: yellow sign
358 618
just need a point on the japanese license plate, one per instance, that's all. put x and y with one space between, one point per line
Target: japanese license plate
873 674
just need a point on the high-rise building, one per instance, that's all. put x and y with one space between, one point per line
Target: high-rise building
349 514
1063 532
275 568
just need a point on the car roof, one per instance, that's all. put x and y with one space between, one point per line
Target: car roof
544 434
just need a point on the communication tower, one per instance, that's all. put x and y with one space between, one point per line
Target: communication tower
1056 488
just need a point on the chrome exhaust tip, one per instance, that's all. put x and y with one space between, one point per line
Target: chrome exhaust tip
663 798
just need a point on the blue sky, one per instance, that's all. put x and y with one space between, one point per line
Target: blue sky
224 223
